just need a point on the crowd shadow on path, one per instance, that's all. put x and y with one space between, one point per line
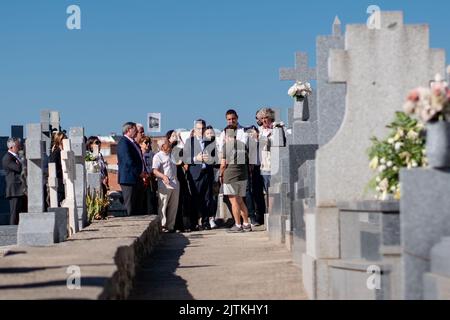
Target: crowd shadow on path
156 278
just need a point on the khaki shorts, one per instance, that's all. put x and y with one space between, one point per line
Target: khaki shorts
235 188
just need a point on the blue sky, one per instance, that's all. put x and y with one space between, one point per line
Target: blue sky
186 59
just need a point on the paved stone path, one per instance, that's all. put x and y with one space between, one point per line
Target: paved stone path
216 265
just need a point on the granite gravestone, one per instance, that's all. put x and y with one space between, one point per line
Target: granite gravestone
35 148
76 136
373 95
69 173
278 191
55 121
425 220
46 131
330 96
38 227
304 132
437 281
53 185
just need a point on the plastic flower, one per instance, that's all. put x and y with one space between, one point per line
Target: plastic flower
300 89
374 163
402 148
412 135
384 185
398 146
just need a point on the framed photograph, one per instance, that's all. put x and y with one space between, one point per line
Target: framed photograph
154 122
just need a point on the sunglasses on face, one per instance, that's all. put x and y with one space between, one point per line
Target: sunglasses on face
97 142
147 142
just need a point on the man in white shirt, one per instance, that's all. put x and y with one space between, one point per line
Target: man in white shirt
165 169
233 120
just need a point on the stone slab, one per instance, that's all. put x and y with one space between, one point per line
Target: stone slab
276 228
436 287
440 258
348 280
425 221
298 249
8 235
370 206
322 233
42 229
309 272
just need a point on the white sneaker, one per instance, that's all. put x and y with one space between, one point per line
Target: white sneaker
212 224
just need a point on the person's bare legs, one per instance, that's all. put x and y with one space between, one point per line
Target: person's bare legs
235 207
243 209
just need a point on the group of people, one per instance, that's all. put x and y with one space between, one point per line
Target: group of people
182 181
57 147
14 165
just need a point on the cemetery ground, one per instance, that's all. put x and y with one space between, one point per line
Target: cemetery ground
117 254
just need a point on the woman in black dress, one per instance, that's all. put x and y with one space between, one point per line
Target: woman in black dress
55 157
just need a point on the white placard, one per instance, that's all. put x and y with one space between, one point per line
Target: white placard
154 122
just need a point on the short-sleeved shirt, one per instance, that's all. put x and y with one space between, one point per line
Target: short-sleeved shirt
236 157
165 163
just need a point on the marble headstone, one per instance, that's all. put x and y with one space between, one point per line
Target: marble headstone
379 68
35 147
76 136
69 173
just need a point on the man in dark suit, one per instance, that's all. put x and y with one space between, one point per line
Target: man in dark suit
15 185
201 174
131 169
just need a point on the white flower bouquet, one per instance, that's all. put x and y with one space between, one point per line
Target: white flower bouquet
300 90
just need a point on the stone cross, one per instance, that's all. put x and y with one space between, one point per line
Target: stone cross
53 185
76 136
301 72
55 121
46 131
330 96
35 150
69 174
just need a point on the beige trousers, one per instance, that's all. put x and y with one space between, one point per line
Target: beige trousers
168 205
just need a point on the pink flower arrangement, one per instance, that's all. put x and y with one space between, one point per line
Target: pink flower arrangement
430 104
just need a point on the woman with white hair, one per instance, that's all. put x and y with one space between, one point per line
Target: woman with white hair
266 117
